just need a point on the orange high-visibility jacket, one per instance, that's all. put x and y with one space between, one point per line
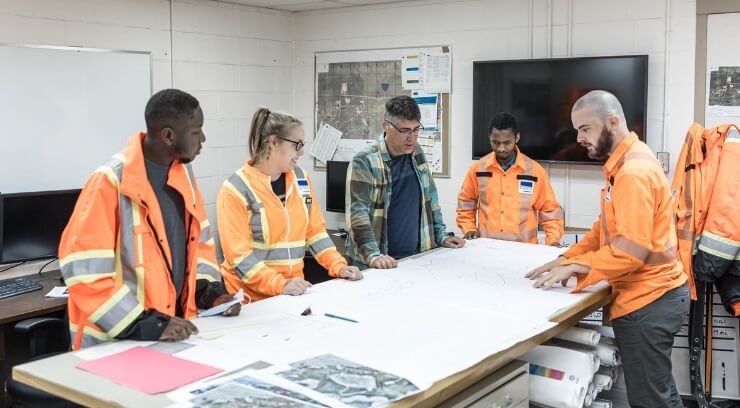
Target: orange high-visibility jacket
717 257
114 254
509 203
263 241
692 186
633 243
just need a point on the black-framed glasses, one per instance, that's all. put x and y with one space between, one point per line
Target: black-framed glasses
298 145
406 131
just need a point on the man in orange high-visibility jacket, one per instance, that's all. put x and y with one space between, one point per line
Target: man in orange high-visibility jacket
508 192
138 254
633 246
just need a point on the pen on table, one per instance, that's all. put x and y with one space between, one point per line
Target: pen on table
340 317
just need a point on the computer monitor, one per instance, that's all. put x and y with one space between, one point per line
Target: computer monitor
31 224
336 180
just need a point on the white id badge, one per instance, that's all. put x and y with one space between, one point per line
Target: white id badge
526 186
303 188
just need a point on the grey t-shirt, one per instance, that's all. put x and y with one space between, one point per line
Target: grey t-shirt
173 213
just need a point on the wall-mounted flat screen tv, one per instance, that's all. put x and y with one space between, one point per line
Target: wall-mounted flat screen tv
541 93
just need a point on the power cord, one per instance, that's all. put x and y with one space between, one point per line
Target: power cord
46 264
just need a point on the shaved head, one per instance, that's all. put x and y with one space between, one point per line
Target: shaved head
601 104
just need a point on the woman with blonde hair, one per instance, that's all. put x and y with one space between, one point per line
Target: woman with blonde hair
267 215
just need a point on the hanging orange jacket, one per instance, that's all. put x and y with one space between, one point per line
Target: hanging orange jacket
508 204
633 243
263 240
114 254
692 186
717 258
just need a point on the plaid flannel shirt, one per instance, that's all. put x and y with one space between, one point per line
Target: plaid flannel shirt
369 189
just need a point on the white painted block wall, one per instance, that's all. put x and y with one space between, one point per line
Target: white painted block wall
235 58
500 30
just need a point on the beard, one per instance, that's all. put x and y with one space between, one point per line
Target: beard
603 146
181 149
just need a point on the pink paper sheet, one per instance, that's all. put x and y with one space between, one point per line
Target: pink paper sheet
148 370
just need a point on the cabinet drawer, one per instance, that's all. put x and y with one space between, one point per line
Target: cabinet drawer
509 395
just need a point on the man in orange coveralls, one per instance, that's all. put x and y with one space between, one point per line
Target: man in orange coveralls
508 192
633 246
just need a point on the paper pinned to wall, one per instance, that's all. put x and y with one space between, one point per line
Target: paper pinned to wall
428 106
349 147
437 73
326 142
431 144
411 72
724 91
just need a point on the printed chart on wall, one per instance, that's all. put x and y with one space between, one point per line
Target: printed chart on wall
352 88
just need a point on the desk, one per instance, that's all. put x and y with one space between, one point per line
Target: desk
16 308
57 375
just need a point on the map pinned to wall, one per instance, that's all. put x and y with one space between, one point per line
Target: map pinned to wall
352 89
724 91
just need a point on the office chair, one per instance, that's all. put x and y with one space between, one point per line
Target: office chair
47 336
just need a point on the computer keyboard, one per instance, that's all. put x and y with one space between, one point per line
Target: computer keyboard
17 286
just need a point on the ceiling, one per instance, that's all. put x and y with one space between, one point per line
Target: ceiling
308 5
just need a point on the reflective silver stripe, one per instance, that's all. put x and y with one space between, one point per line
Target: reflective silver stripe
89 266
483 193
555 214
189 172
90 336
207 271
255 207
321 245
245 266
191 180
89 341
467 204
604 229
666 255
644 254
127 245
300 174
205 234
122 308
116 164
525 203
722 247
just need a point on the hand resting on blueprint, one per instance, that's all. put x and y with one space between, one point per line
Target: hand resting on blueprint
231 311
552 272
350 273
180 329
453 242
295 287
384 262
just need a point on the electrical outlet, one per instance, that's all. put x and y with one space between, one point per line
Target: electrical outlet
665 161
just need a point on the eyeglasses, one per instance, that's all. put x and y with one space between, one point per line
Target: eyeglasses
405 131
298 145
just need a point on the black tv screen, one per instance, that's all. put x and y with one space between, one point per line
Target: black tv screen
31 224
541 93
336 177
